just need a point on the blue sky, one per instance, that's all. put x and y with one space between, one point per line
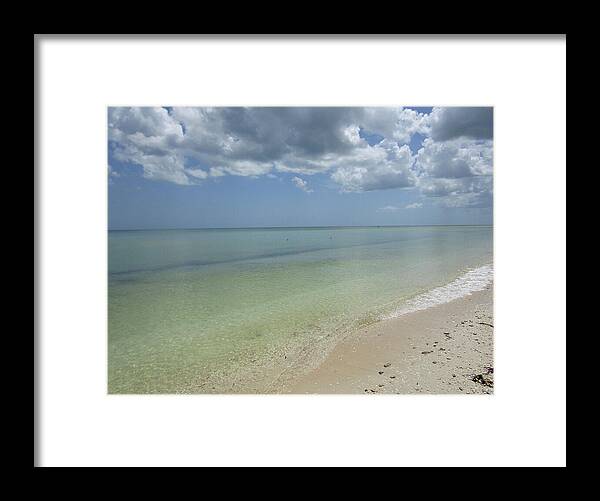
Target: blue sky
240 167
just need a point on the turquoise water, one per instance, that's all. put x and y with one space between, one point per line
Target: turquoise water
231 310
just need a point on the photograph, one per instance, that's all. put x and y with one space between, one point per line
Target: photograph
300 250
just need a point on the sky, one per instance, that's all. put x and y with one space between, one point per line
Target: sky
191 167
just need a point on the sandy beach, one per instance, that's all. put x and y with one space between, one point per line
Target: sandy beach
446 349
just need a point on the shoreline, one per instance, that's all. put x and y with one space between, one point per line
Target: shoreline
405 351
444 349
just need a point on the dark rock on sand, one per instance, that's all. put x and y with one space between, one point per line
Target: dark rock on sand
481 379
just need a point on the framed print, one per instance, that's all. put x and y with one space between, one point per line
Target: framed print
300 250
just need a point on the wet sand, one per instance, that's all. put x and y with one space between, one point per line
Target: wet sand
447 349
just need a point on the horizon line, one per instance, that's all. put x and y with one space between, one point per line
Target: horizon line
295 227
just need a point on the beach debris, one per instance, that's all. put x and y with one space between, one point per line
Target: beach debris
481 379
387 365
489 370
426 352
485 323
381 385
380 373
392 377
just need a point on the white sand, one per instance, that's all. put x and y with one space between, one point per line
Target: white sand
437 350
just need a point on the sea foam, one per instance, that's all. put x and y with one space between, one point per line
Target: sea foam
473 280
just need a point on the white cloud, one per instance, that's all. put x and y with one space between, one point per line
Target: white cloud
465 192
241 168
257 141
395 208
458 172
388 208
150 138
394 123
197 173
383 166
111 172
301 184
193 145
469 200
454 159
147 121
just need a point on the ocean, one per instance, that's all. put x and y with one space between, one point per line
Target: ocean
244 310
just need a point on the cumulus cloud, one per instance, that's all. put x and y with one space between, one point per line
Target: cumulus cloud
475 191
454 159
398 124
184 145
456 171
455 122
301 184
379 167
150 138
192 145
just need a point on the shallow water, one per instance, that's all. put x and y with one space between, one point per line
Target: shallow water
229 310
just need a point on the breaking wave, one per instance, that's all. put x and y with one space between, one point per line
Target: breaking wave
473 280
